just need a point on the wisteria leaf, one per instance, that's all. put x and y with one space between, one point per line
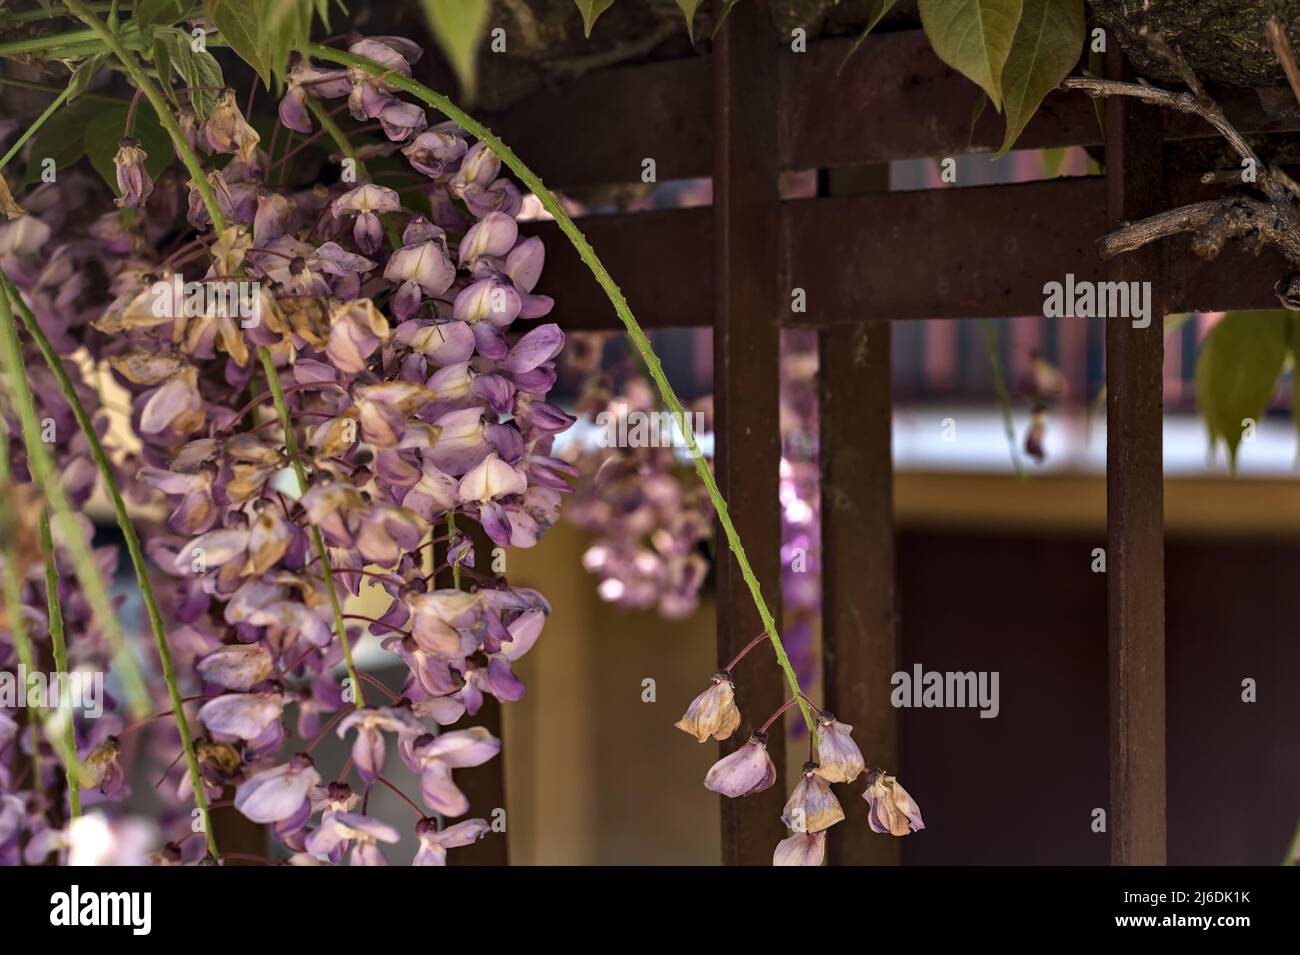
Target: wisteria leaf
62 138
458 26
973 37
239 22
1047 44
151 13
84 73
591 11
197 68
688 8
878 10
1237 370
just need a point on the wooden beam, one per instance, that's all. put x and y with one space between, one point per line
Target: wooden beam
746 346
894 99
1135 497
859 633
900 256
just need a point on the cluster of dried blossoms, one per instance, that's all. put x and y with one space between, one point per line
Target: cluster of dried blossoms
812 807
416 400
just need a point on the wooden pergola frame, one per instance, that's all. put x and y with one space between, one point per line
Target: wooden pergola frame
865 260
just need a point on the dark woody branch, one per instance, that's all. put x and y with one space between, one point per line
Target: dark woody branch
1273 220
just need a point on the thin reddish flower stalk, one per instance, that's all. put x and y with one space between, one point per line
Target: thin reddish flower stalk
777 715
141 724
189 248
357 616
170 767
329 725
431 541
313 138
288 389
744 650
130 114
347 770
393 697
407 799
391 578
816 709
275 421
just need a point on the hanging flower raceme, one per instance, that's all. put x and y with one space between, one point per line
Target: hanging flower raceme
812 807
415 381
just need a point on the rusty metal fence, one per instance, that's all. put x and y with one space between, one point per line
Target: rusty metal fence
865 257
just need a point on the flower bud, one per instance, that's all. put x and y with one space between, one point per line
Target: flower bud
802 848
892 809
713 712
812 807
839 759
133 180
748 770
228 132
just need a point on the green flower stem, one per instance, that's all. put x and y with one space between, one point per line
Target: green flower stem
41 465
345 146
451 536
142 81
318 541
46 88
13 594
31 130
55 612
72 43
588 255
7 294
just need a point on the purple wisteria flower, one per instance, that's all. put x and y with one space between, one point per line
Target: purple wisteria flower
416 380
748 770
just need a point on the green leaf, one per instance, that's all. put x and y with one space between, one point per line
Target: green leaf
878 10
162 61
103 135
1237 371
973 37
287 27
688 8
197 69
84 73
240 24
152 13
62 138
458 26
722 18
1046 46
591 11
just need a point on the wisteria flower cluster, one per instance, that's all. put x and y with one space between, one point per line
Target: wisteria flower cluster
400 338
643 506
